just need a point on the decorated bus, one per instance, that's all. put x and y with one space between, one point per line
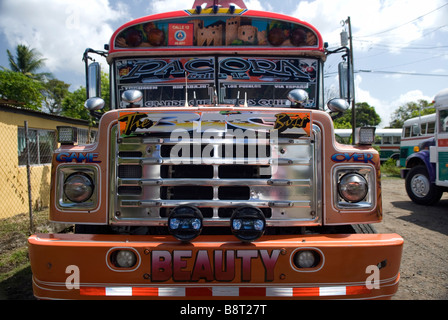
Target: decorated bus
415 131
426 170
216 174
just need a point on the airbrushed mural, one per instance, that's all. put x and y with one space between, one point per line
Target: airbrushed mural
216 31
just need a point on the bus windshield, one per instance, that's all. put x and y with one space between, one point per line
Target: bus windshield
257 81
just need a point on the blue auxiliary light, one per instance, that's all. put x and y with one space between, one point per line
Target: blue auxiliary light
248 223
185 223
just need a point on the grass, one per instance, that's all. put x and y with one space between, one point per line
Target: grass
390 169
15 270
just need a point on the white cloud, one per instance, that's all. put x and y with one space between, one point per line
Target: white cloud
385 108
59 30
371 18
411 96
159 6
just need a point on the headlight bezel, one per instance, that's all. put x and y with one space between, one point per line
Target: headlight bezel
64 172
365 172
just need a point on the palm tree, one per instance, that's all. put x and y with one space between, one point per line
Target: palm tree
27 61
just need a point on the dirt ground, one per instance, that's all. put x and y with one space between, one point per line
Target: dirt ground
424 264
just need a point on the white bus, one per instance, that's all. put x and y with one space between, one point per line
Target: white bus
415 130
388 140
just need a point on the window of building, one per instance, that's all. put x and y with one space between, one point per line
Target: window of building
41 144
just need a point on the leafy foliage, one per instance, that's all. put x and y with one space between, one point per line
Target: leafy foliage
366 116
27 61
411 110
16 86
54 93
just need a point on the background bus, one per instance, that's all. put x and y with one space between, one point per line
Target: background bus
388 141
415 130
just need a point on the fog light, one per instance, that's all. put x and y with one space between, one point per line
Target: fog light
353 187
306 259
124 259
78 187
185 223
248 223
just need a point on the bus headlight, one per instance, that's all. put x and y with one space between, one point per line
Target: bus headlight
353 187
78 187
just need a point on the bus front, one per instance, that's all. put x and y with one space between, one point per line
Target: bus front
216 174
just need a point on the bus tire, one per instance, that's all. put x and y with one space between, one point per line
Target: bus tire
420 189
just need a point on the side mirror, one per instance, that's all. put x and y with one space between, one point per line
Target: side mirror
346 81
95 103
337 106
298 98
132 97
93 80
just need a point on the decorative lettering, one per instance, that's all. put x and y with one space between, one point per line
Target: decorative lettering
285 121
78 157
133 122
183 265
356 157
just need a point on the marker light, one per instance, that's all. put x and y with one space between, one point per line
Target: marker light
185 223
124 259
306 259
248 223
353 187
78 187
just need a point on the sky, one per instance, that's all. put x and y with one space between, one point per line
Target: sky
400 47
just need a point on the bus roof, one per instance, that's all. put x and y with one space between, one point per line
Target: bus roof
236 31
390 131
441 99
425 118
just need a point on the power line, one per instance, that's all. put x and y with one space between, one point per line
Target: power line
327 75
401 25
402 73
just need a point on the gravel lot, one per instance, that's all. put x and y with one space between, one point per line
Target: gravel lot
424 265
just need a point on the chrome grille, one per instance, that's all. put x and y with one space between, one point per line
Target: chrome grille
282 179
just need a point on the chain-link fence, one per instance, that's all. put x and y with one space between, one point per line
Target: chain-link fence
25 169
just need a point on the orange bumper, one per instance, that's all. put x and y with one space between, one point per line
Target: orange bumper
68 266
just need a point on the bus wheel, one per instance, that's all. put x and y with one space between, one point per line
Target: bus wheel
420 189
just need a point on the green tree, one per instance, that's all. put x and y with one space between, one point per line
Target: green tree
73 103
365 116
16 86
27 61
411 110
54 93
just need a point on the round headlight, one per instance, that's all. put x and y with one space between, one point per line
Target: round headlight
78 187
185 222
353 187
248 223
